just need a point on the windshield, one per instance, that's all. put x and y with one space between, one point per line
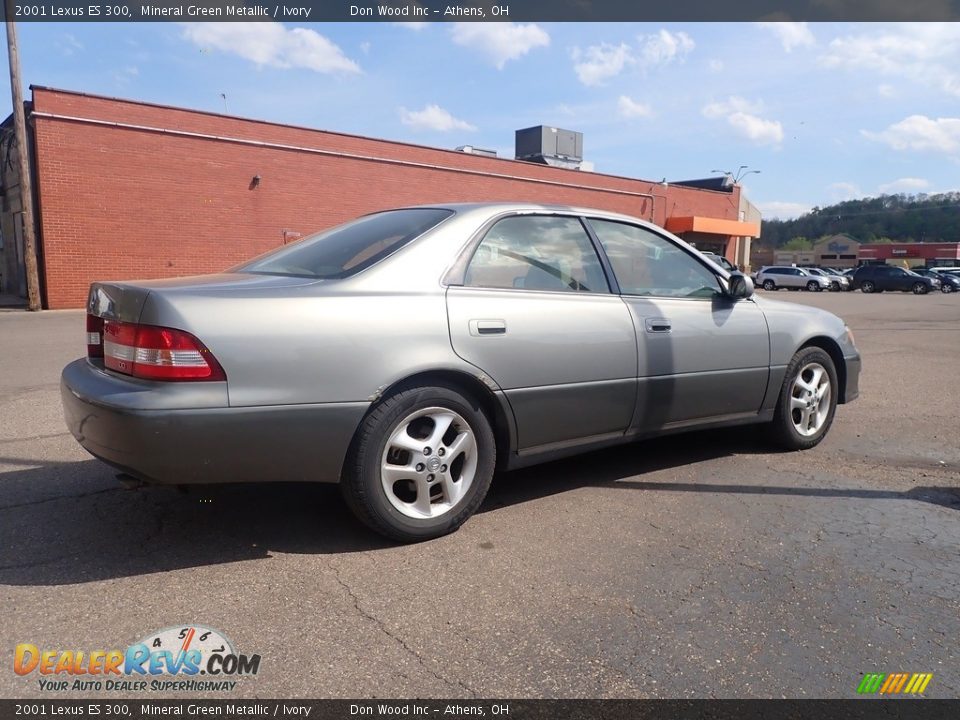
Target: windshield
350 248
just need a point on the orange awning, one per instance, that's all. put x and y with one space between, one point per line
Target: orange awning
715 226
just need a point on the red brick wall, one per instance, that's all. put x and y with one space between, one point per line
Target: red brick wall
119 203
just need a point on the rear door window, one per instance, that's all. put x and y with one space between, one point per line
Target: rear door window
537 252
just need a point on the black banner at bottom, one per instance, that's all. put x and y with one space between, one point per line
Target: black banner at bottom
508 709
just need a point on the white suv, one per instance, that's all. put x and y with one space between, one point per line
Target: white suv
783 276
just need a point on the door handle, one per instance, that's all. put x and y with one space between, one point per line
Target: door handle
488 327
657 325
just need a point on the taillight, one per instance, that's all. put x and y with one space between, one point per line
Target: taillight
94 336
157 353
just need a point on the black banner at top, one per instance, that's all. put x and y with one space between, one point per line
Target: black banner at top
460 709
480 10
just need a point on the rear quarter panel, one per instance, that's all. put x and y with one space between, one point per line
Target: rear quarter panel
313 344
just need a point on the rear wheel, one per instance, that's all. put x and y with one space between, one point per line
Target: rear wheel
769 285
867 286
421 463
920 288
807 401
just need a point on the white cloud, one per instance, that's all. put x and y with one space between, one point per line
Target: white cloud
270 43
744 117
732 104
500 42
415 26
664 47
601 62
715 66
886 91
840 191
926 53
790 34
630 108
68 44
905 185
918 132
782 210
433 117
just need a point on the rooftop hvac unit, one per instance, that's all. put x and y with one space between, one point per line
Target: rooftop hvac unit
550 146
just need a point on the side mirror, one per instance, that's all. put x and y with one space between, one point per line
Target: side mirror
740 286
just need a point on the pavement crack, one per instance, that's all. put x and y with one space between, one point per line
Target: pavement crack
37 563
355 599
60 497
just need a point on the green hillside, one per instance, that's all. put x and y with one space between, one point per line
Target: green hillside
888 218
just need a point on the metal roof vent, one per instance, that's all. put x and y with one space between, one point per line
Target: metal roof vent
473 150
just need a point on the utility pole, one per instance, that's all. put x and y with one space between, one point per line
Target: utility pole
23 161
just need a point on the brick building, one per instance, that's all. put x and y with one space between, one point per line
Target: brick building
129 190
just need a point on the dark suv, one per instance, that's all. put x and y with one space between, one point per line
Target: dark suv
877 278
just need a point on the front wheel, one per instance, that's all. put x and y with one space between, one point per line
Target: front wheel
919 289
946 288
421 463
807 401
769 285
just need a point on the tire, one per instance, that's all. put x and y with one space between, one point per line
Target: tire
835 286
867 286
797 409
431 493
920 289
813 286
946 288
769 285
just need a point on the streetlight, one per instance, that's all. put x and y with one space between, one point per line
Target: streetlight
739 174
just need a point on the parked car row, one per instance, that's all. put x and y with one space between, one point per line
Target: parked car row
949 281
866 278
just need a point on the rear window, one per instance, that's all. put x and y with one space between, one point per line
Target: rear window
350 248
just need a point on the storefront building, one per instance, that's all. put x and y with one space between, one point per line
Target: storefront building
127 190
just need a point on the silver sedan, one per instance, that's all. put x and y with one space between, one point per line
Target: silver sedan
409 354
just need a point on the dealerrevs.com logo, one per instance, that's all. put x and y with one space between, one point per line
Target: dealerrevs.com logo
188 658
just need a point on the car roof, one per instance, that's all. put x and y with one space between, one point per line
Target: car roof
495 208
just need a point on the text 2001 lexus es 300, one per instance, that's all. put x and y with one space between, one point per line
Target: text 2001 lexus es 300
409 353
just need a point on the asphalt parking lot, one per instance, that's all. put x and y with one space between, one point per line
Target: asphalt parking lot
696 566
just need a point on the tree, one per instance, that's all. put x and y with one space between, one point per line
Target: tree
798 243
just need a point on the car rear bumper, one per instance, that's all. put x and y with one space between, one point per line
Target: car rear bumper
120 422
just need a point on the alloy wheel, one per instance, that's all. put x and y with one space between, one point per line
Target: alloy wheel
429 463
810 399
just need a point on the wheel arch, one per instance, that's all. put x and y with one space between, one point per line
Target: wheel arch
495 406
832 348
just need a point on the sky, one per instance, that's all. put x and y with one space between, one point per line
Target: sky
824 112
